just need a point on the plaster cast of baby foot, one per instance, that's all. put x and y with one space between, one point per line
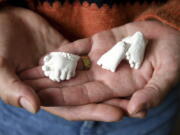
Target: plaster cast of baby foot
135 53
127 40
59 66
111 59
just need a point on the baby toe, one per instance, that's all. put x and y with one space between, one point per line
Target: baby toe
46 73
56 75
68 77
57 80
47 58
63 75
108 67
131 61
45 68
137 66
99 62
128 57
128 54
104 67
51 77
113 69
73 74
132 64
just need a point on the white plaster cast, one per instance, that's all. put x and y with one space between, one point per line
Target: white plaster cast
127 40
59 66
136 51
111 59
131 48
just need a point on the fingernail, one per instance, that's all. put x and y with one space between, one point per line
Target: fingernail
135 109
132 110
26 105
139 115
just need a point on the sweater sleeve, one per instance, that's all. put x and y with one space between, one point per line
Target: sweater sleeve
168 13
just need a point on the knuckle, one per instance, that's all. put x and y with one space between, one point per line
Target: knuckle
85 94
10 96
155 96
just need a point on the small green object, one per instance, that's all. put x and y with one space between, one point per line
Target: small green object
86 62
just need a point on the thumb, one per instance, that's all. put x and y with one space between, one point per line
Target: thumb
155 91
80 47
13 91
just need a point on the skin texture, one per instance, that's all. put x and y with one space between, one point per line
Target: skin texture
133 90
24 38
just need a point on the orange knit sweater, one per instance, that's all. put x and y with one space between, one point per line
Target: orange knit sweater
82 19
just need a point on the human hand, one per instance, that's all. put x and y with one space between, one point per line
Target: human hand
24 38
146 86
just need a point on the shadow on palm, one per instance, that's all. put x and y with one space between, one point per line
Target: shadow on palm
95 84
103 92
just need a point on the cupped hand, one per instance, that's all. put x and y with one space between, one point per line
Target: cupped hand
146 86
24 38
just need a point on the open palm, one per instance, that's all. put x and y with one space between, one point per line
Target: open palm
24 38
147 86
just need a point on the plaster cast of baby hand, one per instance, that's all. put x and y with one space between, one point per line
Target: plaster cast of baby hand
135 53
111 59
59 66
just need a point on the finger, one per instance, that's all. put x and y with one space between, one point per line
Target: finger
44 83
15 92
123 104
80 47
33 73
75 95
155 90
93 112
37 72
